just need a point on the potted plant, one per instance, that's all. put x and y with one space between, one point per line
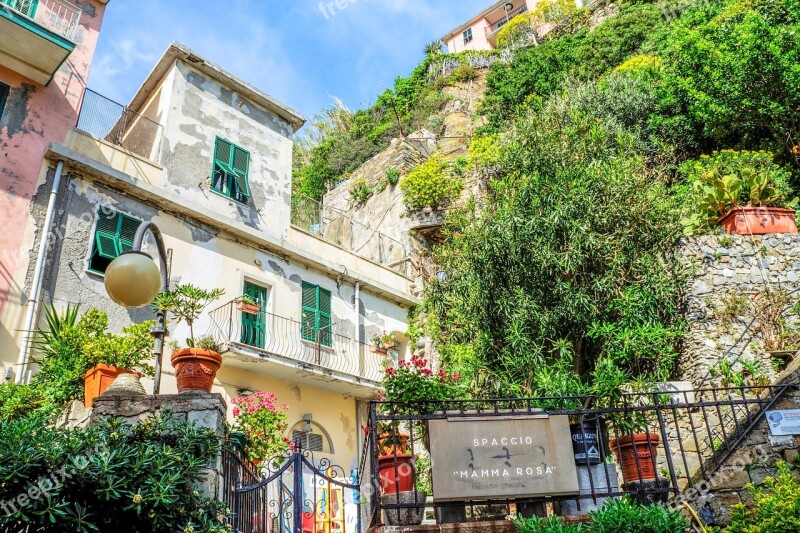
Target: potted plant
382 343
247 304
196 365
744 192
263 422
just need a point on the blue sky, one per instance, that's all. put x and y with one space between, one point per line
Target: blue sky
288 48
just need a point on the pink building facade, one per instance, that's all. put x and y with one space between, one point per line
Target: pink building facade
480 32
46 51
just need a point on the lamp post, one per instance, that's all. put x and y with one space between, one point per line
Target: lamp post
133 280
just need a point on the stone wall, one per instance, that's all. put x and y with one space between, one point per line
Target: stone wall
729 276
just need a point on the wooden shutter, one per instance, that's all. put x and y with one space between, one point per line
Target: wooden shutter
223 154
105 235
127 232
324 324
308 325
240 164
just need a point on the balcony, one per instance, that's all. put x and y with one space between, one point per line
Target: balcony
493 29
115 123
280 347
37 36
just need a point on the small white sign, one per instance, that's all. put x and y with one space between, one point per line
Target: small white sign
783 423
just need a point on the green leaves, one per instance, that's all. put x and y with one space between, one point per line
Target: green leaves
186 302
430 185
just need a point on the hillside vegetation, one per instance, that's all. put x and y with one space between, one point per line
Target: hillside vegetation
565 279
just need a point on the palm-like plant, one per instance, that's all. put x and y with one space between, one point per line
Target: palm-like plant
186 302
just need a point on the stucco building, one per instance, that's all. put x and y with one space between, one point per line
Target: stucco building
208 158
480 32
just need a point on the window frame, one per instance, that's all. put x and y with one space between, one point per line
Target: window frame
120 244
5 92
233 177
318 314
468 36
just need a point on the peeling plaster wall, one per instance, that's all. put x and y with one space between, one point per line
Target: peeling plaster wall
200 109
34 116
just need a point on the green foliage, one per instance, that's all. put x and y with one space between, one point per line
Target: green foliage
733 70
393 176
464 74
19 400
110 477
776 506
414 381
360 192
641 63
572 242
730 178
616 515
264 424
71 344
519 31
430 185
186 302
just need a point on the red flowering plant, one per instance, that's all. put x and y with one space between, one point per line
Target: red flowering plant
264 423
414 387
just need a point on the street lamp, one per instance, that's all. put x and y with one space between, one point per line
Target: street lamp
133 280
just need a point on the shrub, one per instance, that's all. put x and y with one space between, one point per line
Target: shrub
393 176
110 477
264 424
430 185
464 74
640 63
616 515
519 31
776 506
360 192
413 381
731 178
19 400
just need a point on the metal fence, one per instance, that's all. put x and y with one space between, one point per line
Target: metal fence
337 227
689 437
281 336
106 119
58 16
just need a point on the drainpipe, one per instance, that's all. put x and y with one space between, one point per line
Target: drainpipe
36 288
357 307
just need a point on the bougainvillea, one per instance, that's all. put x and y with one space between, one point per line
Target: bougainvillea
263 421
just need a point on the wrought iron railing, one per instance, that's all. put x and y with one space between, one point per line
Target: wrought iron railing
285 337
105 119
689 437
58 16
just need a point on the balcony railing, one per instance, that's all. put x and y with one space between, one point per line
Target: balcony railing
284 337
106 119
58 16
505 20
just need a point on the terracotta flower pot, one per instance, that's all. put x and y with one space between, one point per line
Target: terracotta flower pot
637 455
759 220
391 443
98 379
379 351
396 473
195 369
250 309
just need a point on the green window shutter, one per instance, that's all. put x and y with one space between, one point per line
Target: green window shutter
240 164
308 324
324 324
223 152
127 232
4 91
105 235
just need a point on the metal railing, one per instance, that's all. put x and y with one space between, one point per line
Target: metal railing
58 16
682 441
336 227
505 20
285 337
105 119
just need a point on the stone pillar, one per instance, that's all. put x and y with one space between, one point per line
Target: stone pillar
204 409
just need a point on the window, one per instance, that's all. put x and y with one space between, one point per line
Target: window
468 36
4 90
316 315
113 235
231 167
254 327
312 437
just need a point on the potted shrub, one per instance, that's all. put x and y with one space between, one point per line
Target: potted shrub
382 343
196 365
744 192
263 422
248 304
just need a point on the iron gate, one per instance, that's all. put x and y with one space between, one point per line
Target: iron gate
297 494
